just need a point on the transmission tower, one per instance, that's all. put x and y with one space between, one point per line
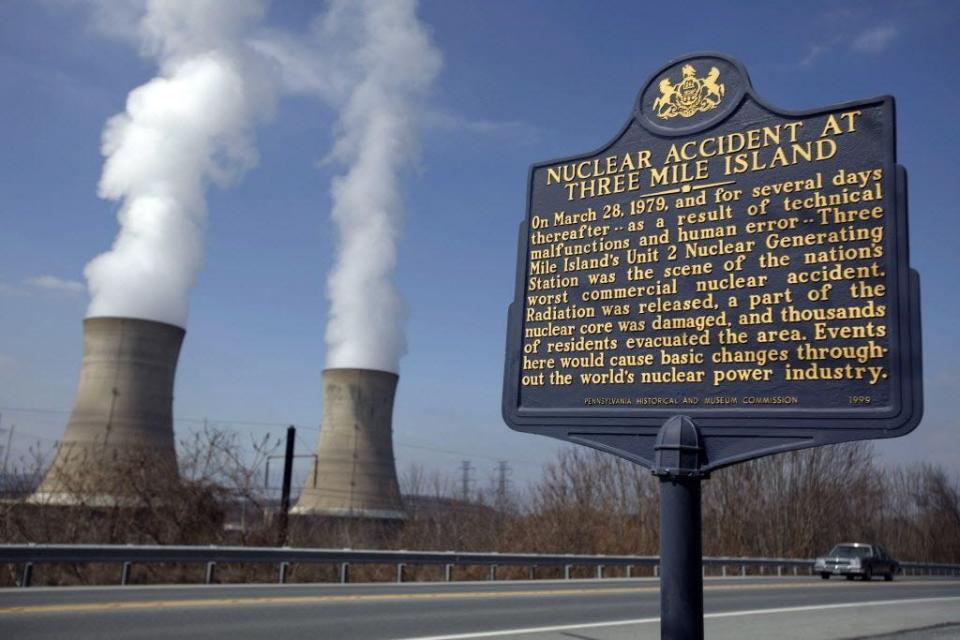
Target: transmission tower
466 467
503 480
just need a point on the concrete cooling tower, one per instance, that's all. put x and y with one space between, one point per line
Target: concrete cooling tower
122 420
355 475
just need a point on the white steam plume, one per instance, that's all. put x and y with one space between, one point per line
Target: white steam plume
191 124
389 64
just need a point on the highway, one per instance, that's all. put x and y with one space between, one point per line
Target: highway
611 609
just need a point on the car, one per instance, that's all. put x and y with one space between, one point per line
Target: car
852 559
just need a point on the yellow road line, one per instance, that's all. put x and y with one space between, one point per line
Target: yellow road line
385 597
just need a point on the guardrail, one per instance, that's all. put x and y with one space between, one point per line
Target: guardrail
127 555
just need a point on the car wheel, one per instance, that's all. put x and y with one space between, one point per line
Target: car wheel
825 576
849 576
867 575
888 577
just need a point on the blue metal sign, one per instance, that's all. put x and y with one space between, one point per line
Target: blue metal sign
719 259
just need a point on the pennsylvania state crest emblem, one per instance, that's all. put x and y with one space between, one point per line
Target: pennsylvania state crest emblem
690 96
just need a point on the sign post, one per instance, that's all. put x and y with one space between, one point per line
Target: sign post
678 454
723 280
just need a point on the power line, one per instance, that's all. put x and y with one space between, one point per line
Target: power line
300 439
206 420
33 410
455 452
220 422
27 436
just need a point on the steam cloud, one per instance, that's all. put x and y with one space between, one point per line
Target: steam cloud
192 124
394 64
373 61
188 126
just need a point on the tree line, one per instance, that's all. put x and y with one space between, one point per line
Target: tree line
792 505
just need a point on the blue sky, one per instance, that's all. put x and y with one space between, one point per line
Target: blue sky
521 82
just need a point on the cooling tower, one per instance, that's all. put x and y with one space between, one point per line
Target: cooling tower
120 434
354 475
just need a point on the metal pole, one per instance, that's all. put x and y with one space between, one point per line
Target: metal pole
125 574
282 570
677 464
681 556
285 492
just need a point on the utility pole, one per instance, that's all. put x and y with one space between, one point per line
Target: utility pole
465 467
285 491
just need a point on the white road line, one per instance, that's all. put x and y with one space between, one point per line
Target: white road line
724 614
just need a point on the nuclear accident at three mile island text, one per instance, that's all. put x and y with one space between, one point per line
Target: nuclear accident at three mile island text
674 275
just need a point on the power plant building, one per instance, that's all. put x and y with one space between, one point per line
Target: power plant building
122 419
355 474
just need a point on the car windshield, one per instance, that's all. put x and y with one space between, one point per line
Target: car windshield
846 551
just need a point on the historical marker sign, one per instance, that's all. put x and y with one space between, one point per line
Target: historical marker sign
741 265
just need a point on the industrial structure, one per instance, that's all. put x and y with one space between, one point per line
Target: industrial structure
354 475
122 420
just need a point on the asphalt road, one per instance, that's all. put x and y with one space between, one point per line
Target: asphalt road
610 609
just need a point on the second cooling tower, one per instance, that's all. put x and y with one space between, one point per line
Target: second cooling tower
118 445
355 475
